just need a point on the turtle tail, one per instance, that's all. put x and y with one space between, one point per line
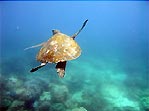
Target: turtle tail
73 36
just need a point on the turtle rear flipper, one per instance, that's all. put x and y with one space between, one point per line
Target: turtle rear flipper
60 66
38 67
41 44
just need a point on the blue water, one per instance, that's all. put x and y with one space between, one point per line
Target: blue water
110 75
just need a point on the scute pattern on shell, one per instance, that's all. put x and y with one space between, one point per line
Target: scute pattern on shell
59 48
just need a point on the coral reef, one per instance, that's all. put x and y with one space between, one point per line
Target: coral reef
45 96
79 109
145 103
59 93
74 93
144 100
43 106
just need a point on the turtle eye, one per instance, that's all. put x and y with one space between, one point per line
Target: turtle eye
54 31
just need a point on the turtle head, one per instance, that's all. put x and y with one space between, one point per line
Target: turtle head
54 31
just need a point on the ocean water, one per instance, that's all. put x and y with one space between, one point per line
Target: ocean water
112 73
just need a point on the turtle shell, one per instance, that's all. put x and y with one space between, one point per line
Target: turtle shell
59 48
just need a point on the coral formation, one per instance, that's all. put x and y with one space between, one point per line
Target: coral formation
144 102
74 93
79 109
59 93
45 96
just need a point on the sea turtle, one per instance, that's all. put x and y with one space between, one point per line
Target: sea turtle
58 49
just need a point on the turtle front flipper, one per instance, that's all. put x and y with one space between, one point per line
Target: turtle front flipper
38 67
41 44
60 66
73 36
